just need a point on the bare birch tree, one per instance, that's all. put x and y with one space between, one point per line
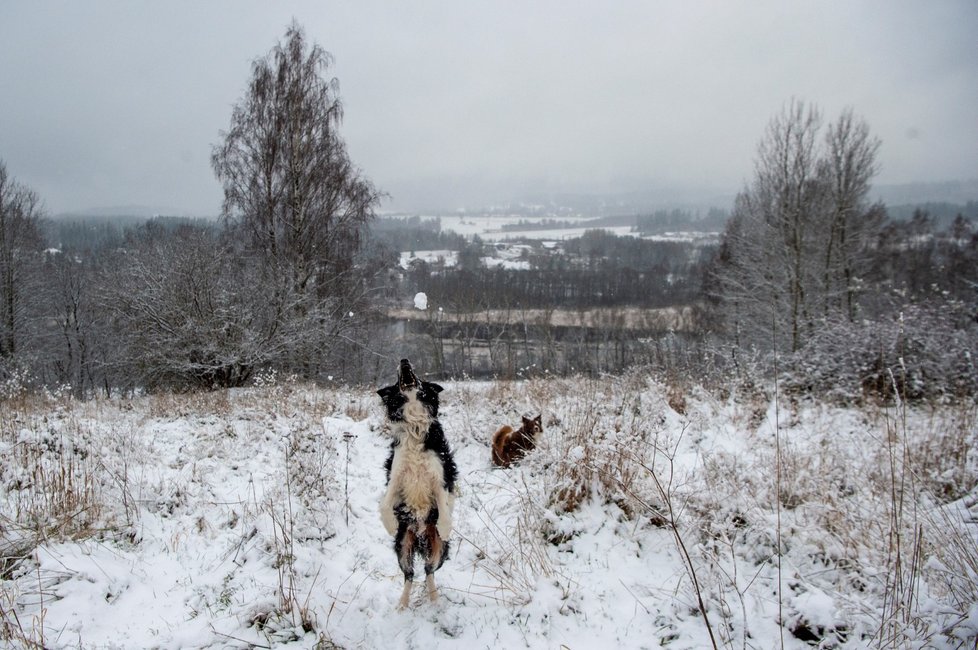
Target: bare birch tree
70 341
294 202
290 187
788 257
849 164
20 240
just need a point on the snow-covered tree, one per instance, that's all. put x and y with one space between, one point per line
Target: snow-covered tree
20 240
187 312
790 254
849 166
290 188
69 339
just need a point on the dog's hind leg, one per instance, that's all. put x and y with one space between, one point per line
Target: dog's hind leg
406 594
404 547
429 583
437 553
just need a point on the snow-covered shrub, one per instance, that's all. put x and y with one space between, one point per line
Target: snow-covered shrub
924 352
518 558
945 455
53 488
265 378
15 381
311 464
603 442
951 571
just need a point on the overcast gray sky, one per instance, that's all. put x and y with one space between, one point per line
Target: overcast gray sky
459 103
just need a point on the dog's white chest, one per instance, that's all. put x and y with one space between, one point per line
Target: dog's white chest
416 476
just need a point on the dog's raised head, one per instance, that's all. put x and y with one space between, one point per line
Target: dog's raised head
533 427
400 398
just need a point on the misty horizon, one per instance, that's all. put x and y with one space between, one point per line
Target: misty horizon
633 202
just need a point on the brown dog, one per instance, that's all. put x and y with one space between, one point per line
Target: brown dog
508 446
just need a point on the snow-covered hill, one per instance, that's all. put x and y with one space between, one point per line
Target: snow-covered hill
646 519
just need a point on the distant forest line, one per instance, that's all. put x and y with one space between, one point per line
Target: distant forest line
415 232
915 261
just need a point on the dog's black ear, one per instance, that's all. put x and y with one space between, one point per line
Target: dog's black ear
386 391
433 386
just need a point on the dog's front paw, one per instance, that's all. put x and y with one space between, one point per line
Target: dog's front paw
444 527
388 519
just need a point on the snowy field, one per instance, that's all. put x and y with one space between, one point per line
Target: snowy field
506 251
490 227
502 256
648 518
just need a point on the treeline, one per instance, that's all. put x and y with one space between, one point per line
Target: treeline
662 221
571 288
88 234
177 303
176 306
596 270
543 224
414 234
918 261
941 213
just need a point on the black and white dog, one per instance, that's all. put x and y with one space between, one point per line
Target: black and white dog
421 473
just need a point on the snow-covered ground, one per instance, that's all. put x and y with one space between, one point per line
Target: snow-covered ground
438 257
248 518
506 252
491 227
507 256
